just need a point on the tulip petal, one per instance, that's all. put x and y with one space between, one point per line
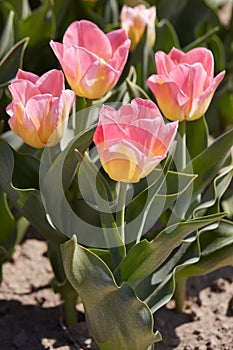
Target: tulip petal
164 64
201 104
171 100
27 76
202 55
99 78
23 126
52 82
22 90
87 34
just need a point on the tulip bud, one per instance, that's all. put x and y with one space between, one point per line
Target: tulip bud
135 20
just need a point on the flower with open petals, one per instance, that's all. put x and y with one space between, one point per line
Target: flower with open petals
92 60
40 107
133 140
135 20
184 84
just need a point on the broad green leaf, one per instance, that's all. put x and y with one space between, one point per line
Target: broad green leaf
166 36
216 251
211 198
28 201
22 8
39 25
145 257
201 40
116 318
196 136
217 47
208 163
12 61
7 36
8 234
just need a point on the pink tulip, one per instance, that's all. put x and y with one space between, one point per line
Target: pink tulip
40 107
133 140
135 20
91 60
184 84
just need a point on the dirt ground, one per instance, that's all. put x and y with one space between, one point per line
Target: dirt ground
30 312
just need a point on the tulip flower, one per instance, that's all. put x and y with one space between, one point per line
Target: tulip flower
184 84
133 140
92 60
135 20
40 107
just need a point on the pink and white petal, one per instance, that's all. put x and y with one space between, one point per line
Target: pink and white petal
171 100
176 55
202 55
201 104
87 34
146 108
164 64
52 82
22 90
38 108
120 56
117 38
98 80
21 74
23 126
191 79
57 49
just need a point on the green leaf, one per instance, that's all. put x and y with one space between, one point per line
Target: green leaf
212 196
8 225
7 36
39 25
145 257
135 90
116 318
166 37
27 200
216 251
12 61
196 136
208 163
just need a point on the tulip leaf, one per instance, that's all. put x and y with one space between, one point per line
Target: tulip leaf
116 318
7 36
212 196
26 200
166 37
8 235
216 252
208 163
11 62
39 25
145 257
196 136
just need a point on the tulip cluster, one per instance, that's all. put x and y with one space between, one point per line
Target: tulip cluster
128 199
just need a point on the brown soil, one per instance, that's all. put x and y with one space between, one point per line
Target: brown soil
31 312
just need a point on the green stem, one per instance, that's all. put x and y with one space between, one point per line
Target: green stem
181 147
120 216
69 306
180 293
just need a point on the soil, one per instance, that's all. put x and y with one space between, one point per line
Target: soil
30 312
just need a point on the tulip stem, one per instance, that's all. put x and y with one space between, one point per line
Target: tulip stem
181 147
120 215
